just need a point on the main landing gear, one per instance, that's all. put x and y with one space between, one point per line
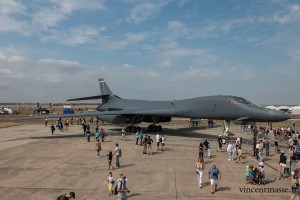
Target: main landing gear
154 128
132 129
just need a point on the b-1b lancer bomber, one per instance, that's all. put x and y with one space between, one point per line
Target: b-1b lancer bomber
116 110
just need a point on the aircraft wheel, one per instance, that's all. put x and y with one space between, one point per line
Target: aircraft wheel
159 128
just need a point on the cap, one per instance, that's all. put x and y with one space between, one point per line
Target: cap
72 194
220 135
282 152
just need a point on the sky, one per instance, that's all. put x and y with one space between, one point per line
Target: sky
53 50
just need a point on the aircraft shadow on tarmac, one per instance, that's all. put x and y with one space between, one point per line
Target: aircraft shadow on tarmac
59 136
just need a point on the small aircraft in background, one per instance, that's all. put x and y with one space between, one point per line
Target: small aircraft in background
116 110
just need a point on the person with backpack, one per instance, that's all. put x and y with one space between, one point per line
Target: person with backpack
70 195
122 188
118 155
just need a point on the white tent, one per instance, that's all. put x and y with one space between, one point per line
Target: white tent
284 108
272 107
295 110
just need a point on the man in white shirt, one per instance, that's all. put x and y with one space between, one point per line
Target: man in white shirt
157 141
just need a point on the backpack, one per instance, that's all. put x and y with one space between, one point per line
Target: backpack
116 188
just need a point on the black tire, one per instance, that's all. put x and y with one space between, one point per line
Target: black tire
159 128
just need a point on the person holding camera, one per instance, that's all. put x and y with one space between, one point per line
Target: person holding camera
122 189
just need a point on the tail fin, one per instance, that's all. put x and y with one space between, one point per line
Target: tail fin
104 89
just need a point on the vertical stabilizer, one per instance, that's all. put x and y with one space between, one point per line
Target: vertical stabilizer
104 89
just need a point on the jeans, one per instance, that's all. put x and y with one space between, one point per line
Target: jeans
118 160
267 152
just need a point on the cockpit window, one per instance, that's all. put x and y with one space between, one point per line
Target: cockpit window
239 100
243 101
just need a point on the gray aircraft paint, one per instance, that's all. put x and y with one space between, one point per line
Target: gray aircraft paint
223 107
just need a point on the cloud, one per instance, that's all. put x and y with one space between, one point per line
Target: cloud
128 66
144 11
225 72
293 14
75 36
149 73
166 63
129 39
60 65
183 52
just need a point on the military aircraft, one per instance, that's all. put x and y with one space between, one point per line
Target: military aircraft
130 111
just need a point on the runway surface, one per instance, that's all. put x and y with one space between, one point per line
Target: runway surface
36 165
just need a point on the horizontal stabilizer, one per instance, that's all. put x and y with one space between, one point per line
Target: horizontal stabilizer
90 98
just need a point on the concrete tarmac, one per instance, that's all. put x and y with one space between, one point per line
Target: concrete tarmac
37 165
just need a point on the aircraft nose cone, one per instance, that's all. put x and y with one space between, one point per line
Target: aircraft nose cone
278 115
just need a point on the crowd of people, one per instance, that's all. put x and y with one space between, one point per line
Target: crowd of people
253 174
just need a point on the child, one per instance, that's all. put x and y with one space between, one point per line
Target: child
111 182
240 152
110 156
208 152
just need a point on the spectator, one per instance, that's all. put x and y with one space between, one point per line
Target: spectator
111 182
88 135
157 140
110 156
98 148
149 145
122 188
118 155
102 133
137 134
201 151
214 175
282 164
163 140
220 143
52 128
199 171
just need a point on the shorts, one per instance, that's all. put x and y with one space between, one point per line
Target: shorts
282 165
214 181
